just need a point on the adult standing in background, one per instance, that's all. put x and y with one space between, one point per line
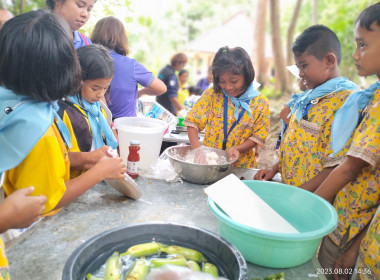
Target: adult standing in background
4 16
76 13
110 33
205 82
169 99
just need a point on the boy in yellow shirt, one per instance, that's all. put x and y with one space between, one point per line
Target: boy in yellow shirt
303 156
355 182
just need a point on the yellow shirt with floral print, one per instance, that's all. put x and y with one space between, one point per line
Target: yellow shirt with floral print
368 266
356 203
304 148
207 114
4 273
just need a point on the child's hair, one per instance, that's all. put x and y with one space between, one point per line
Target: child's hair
318 40
51 3
182 71
368 16
110 32
178 58
195 90
95 61
235 61
38 57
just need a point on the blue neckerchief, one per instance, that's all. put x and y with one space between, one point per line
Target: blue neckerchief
97 122
241 101
346 118
300 101
23 121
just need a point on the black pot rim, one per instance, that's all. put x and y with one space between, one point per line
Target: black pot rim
73 258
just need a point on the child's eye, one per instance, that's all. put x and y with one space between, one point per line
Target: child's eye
362 45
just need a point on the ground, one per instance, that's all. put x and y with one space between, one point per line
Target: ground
267 152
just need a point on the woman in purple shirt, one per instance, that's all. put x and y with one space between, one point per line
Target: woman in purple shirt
110 33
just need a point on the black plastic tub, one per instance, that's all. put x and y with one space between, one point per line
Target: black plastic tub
94 252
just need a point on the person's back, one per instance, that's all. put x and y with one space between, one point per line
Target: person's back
169 100
122 98
304 150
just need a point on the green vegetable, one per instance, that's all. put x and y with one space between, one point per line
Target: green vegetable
194 266
177 260
138 271
113 265
143 249
188 253
279 276
90 277
210 269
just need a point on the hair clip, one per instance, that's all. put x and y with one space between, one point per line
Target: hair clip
224 51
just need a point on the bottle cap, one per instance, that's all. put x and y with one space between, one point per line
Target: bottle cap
135 142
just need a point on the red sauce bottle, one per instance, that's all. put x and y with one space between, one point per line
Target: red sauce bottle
133 159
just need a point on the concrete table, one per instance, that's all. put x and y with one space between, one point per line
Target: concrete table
41 252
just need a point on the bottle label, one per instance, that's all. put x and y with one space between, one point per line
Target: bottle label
132 167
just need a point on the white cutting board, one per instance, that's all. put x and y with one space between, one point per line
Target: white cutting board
245 206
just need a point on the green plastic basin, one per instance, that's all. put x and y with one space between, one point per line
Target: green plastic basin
310 214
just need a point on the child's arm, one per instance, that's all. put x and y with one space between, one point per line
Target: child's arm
192 133
105 168
86 160
347 171
317 180
20 210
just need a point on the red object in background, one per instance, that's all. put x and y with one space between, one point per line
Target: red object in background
133 159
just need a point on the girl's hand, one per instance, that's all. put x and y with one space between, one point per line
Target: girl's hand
111 168
233 153
21 209
200 156
284 114
264 175
95 156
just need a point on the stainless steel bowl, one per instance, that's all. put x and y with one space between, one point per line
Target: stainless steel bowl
198 173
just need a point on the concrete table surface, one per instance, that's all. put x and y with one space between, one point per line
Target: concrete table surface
42 251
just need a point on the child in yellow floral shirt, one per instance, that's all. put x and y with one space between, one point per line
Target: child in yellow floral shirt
355 182
304 155
234 115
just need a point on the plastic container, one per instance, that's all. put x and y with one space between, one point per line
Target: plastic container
89 256
149 132
311 215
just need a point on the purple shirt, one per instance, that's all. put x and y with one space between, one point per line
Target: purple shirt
79 40
123 91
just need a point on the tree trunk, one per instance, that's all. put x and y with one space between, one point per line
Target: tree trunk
315 12
278 54
22 5
290 35
258 55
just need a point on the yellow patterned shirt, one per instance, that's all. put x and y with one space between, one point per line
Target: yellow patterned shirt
207 114
368 266
356 203
4 272
304 149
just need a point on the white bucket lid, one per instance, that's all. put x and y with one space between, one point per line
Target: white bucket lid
140 124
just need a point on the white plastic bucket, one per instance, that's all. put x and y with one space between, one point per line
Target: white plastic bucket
148 131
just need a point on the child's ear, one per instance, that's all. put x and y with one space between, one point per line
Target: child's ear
331 60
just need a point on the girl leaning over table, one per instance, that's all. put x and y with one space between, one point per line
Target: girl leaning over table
233 114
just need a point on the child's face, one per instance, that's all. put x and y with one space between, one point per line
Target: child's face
367 53
233 84
93 90
75 12
183 77
313 72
